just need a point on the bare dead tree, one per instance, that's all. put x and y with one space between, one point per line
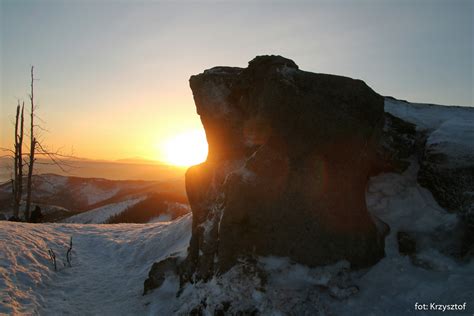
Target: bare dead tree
32 147
16 206
20 156
69 253
35 149
17 184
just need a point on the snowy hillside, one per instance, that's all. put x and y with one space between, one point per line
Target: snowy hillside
98 200
161 211
100 215
82 194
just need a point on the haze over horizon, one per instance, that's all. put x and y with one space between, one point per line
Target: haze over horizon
113 76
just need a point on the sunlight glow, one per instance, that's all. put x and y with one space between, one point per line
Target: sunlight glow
186 149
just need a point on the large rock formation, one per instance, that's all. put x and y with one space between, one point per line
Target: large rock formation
290 153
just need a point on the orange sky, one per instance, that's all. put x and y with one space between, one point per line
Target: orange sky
115 129
113 76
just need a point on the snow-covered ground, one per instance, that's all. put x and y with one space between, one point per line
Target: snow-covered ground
109 265
111 262
394 285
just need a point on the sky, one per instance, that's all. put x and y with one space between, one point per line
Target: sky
113 75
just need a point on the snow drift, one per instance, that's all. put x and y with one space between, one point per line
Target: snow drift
109 264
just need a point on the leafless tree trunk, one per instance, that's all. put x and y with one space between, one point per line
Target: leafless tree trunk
20 156
32 149
52 256
17 184
69 253
16 206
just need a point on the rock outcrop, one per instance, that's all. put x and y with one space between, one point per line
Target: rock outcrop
290 153
399 142
447 167
158 273
443 138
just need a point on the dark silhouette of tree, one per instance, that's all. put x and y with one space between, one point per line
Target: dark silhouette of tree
32 147
17 185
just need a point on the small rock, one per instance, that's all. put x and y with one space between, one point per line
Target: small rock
406 243
343 293
14 219
158 273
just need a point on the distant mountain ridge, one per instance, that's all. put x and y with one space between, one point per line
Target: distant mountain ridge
139 160
66 196
126 169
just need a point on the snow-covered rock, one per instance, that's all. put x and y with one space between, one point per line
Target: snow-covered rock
447 158
278 286
426 117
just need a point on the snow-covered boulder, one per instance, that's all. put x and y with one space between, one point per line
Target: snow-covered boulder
447 168
447 154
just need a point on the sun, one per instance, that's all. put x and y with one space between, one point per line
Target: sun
186 149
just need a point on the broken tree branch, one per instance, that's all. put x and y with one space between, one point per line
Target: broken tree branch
69 253
52 256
